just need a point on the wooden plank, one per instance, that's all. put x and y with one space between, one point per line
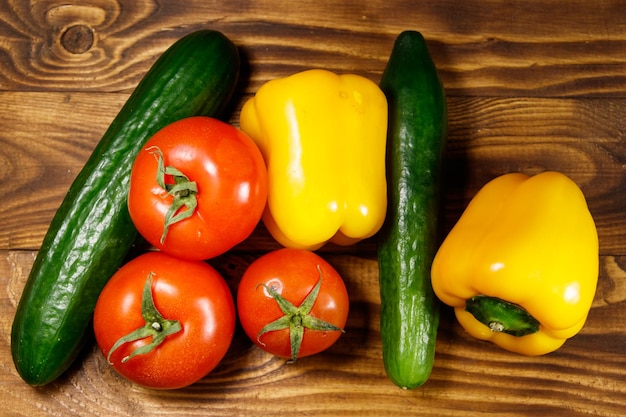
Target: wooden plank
583 138
51 135
46 138
479 47
584 377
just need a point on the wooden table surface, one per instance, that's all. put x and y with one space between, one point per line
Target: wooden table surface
532 85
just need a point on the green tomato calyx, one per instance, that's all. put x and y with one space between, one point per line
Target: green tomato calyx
183 192
156 326
296 319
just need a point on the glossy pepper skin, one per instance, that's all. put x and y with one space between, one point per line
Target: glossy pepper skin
323 138
528 241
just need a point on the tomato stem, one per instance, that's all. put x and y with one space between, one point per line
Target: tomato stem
183 192
156 326
296 319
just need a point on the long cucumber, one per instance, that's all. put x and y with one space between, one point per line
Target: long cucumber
91 233
408 241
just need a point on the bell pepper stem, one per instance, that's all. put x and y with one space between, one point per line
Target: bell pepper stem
502 316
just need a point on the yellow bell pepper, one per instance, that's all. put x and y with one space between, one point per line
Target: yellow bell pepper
323 138
520 267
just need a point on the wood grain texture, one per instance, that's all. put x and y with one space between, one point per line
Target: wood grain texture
532 86
586 376
539 48
581 137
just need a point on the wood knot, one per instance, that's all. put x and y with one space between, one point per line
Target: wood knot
77 39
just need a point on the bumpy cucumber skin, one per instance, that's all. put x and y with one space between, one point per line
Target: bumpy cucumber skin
91 233
408 241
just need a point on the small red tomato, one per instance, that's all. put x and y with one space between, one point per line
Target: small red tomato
197 188
292 303
184 308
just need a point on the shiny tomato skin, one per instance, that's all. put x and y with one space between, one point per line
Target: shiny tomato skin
292 273
191 292
231 177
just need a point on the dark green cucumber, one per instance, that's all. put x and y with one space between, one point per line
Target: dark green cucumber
91 233
408 241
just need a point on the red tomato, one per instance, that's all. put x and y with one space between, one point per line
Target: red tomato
190 292
231 181
293 274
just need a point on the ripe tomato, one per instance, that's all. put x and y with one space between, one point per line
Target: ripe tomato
292 275
191 293
198 188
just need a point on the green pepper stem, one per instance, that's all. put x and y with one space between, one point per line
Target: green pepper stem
502 316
